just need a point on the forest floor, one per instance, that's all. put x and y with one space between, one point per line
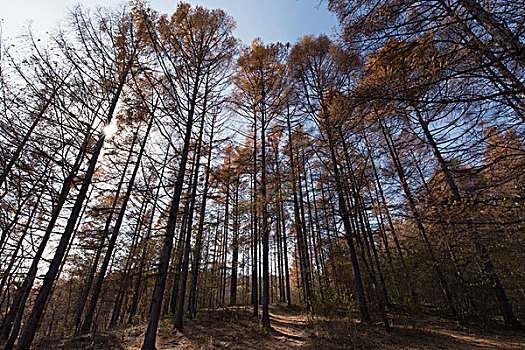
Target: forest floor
235 328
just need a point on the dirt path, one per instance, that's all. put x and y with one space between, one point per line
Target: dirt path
289 328
236 329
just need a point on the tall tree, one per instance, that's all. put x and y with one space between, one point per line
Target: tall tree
319 68
260 92
196 43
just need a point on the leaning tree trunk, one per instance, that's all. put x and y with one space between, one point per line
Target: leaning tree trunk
200 228
145 241
187 240
482 251
343 212
31 326
404 184
160 283
87 288
86 326
14 317
7 270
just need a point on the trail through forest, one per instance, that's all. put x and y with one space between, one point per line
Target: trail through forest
164 185
232 328
235 328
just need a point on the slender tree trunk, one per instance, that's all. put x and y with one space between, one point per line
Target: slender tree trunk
16 312
125 275
45 291
22 143
187 244
86 326
304 239
285 253
179 252
401 174
280 228
7 270
265 226
255 288
87 288
225 233
343 212
359 210
481 249
319 244
312 225
31 326
160 284
298 225
235 247
200 230
135 300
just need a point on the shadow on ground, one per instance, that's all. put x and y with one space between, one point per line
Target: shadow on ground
236 328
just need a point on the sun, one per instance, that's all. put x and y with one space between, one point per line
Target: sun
111 129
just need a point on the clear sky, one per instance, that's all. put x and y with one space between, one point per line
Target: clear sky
271 20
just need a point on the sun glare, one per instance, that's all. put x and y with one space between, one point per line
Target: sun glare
111 129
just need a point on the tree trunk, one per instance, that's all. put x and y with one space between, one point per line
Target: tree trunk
87 288
415 213
481 249
45 291
298 225
16 312
187 243
160 283
255 219
343 212
86 326
200 230
235 247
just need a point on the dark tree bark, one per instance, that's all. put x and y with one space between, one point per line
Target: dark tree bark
482 251
235 247
255 219
37 117
187 240
265 227
402 178
343 212
87 288
197 255
13 319
138 282
160 284
86 326
45 291
298 224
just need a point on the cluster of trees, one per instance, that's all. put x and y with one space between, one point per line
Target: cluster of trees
151 165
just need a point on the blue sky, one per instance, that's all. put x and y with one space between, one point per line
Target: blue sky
271 20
